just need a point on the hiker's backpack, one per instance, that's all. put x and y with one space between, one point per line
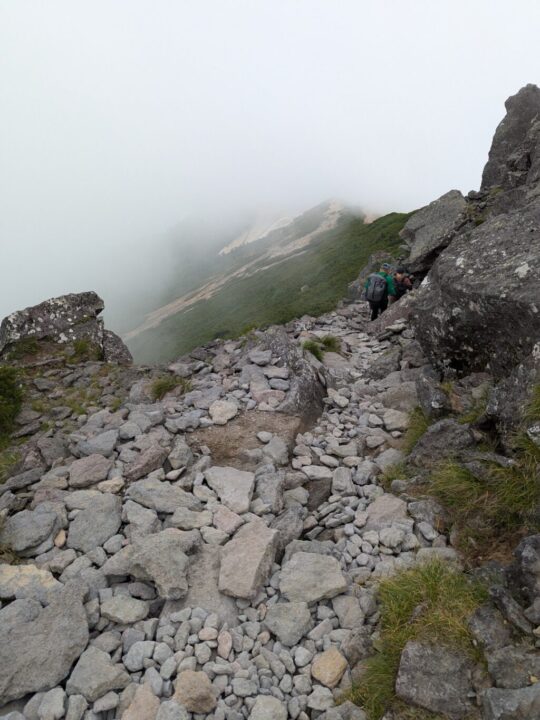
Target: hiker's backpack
376 287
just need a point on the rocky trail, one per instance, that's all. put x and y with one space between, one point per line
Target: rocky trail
209 540
210 590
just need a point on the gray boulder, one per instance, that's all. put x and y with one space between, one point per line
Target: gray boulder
502 170
432 228
89 470
95 674
247 559
234 487
445 438
27 532
524 572
435 678
432 398
306 392
63 321
478 306
94 525
522 704
513 666
308 577
161 558
289 622
161 496
149 460
59 633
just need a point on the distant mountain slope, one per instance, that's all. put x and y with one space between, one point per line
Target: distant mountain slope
283 279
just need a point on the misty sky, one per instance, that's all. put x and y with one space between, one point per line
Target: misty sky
118 118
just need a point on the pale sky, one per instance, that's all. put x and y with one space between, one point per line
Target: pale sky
118 118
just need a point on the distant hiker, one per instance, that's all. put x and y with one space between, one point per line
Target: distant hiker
402 282
380 290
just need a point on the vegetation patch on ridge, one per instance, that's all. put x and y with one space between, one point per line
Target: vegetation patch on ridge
278 293
11 397
429 603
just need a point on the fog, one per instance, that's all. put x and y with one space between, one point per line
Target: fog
119 119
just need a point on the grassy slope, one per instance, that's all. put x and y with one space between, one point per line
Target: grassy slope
273 295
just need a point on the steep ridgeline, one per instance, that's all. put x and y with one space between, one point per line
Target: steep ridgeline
303 268
328 520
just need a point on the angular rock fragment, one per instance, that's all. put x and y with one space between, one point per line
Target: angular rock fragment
60 631
234 487
247 559
307 577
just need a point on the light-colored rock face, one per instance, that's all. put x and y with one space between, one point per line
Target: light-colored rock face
144 706
160 558
233 487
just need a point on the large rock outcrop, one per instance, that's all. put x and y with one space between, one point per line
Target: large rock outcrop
432 228
508 165
478 307
63 321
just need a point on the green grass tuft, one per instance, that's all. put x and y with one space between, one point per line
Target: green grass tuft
84 351
314 348
429 603
167 383
8 459
23 348
331 343
418 424
532 411
11 397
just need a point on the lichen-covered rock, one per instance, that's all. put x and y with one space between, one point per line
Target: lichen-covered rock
478 306
63 321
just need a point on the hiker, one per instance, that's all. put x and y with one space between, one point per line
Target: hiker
380 290
402 282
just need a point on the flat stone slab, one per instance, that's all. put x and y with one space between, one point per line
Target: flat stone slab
233 487
247 559
289 622
308 577
89 470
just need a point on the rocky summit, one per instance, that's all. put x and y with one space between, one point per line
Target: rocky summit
228 537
